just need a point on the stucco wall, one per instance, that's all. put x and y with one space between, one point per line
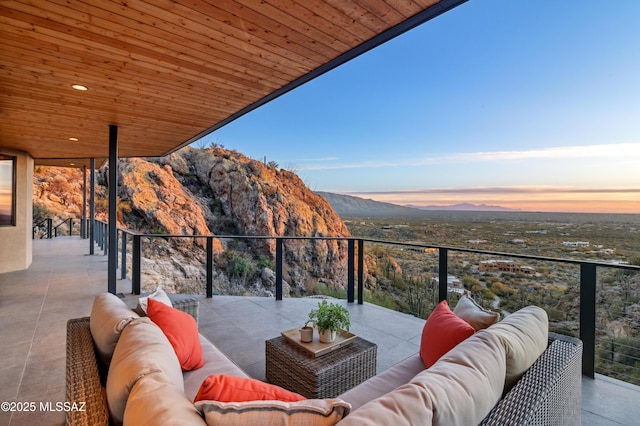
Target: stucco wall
15 241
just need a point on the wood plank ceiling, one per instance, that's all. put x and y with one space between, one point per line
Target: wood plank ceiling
168 71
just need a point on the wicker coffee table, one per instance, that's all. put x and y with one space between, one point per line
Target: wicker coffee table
325 376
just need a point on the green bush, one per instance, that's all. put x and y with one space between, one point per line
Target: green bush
239 267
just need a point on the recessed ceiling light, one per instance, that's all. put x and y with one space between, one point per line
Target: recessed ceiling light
73 139
72 164
79 87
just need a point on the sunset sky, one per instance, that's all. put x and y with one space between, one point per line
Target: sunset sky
532 105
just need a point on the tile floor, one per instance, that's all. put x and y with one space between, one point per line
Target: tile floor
63 280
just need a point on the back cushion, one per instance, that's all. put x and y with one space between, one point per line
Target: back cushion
525 335
155 400
109 316
460 389
142 349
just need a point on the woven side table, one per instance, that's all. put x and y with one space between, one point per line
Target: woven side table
325 376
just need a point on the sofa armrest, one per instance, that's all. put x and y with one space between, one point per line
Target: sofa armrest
186 303
549 392
83 377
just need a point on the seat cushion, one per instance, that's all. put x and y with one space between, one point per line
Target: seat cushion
441 333
525 335
397 375
215 362
460 389
142 349
109 316
474 314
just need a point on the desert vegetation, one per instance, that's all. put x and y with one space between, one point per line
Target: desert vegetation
403 276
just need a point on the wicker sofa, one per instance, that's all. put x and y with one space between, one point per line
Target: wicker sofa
548 393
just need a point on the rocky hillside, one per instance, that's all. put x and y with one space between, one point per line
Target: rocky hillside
212 191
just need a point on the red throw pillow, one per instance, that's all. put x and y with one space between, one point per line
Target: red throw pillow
224 388
441 333
181 331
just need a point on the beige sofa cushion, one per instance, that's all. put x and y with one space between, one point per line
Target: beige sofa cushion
310 412
155 400
109 316
460 389
215 362
525 335
478 317
397 375
142 349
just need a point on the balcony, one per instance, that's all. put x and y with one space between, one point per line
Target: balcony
63 280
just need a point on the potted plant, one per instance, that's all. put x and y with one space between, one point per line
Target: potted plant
329 318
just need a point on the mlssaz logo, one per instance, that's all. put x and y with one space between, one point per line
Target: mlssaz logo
65 406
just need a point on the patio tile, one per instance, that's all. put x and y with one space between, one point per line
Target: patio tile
35 305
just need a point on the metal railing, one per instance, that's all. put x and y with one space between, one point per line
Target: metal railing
66 227
355 271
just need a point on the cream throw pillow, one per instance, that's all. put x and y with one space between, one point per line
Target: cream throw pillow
310 412
109 316
158 295
143 349
460 389
474 314
525 335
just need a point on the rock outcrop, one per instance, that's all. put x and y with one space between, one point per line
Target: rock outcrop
224 193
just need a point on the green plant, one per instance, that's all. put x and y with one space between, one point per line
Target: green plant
329 316
238 266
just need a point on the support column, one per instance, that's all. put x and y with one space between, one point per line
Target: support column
83 225
92 204
113 188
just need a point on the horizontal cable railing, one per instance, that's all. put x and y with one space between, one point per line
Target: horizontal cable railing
618 356
46 229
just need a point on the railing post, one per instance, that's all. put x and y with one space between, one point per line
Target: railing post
588 318
279 256
115 247
135 265
123 257
209 267
360 271
443 273
105 239
49 226
350 270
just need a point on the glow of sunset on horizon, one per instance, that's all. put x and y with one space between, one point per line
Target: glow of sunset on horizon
497 103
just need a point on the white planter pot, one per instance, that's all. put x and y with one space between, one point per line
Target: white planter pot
327 336
306 334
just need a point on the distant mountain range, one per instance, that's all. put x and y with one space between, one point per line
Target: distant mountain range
466 207
350 206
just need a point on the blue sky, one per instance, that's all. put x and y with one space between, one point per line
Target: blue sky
526 104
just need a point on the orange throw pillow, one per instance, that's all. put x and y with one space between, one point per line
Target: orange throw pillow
225 388
441 333
181 331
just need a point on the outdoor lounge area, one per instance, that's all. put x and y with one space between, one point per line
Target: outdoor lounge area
63 281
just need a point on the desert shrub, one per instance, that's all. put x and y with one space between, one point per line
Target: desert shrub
239 267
